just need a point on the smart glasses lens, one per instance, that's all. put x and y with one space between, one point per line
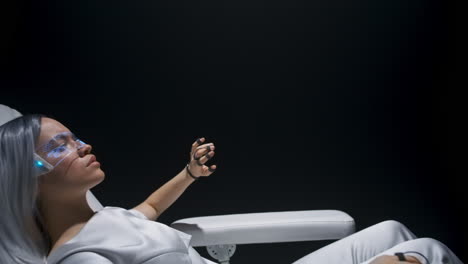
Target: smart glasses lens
51 154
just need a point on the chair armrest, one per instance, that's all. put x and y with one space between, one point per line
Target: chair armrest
271 227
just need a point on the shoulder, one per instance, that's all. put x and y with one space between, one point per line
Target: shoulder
85 257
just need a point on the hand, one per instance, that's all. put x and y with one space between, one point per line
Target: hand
199 155
385 259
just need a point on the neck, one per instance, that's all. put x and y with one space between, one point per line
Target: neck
62 213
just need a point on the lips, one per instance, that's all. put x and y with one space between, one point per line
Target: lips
91 160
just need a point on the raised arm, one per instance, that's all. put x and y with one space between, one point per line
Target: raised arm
167 194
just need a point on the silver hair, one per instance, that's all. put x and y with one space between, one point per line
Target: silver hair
23 238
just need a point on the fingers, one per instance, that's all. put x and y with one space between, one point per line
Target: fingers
197 143
201 153
199 149
202 150
205 158
212 168
411 259
207 170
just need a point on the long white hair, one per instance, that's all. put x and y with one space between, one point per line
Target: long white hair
23 238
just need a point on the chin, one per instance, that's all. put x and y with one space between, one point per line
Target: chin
101 175
96 176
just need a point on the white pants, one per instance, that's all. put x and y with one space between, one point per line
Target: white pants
385 238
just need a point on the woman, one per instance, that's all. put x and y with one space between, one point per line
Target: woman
44 213
46 218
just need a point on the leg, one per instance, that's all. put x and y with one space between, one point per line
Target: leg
433 250
362 245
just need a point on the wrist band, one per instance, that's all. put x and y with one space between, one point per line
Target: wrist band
401 256
190 174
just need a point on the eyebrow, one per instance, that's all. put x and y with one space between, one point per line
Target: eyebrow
62 135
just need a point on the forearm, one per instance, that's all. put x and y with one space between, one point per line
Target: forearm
167 194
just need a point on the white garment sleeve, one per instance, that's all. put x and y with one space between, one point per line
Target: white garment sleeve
138 214
85 258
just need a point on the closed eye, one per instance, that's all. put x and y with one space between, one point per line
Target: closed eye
57 152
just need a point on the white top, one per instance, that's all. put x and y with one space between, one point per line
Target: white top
119 236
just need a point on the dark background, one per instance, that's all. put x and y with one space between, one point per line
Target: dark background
348 105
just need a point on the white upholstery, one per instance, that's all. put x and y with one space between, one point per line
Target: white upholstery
7 114
93 202
266 227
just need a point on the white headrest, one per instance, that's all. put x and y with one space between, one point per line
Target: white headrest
7 114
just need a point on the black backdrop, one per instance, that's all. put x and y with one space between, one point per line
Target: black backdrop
347 105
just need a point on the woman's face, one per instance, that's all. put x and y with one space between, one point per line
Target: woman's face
76 171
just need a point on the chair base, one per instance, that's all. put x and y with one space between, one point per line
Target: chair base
222 253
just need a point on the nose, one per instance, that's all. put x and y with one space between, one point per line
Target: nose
84 150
